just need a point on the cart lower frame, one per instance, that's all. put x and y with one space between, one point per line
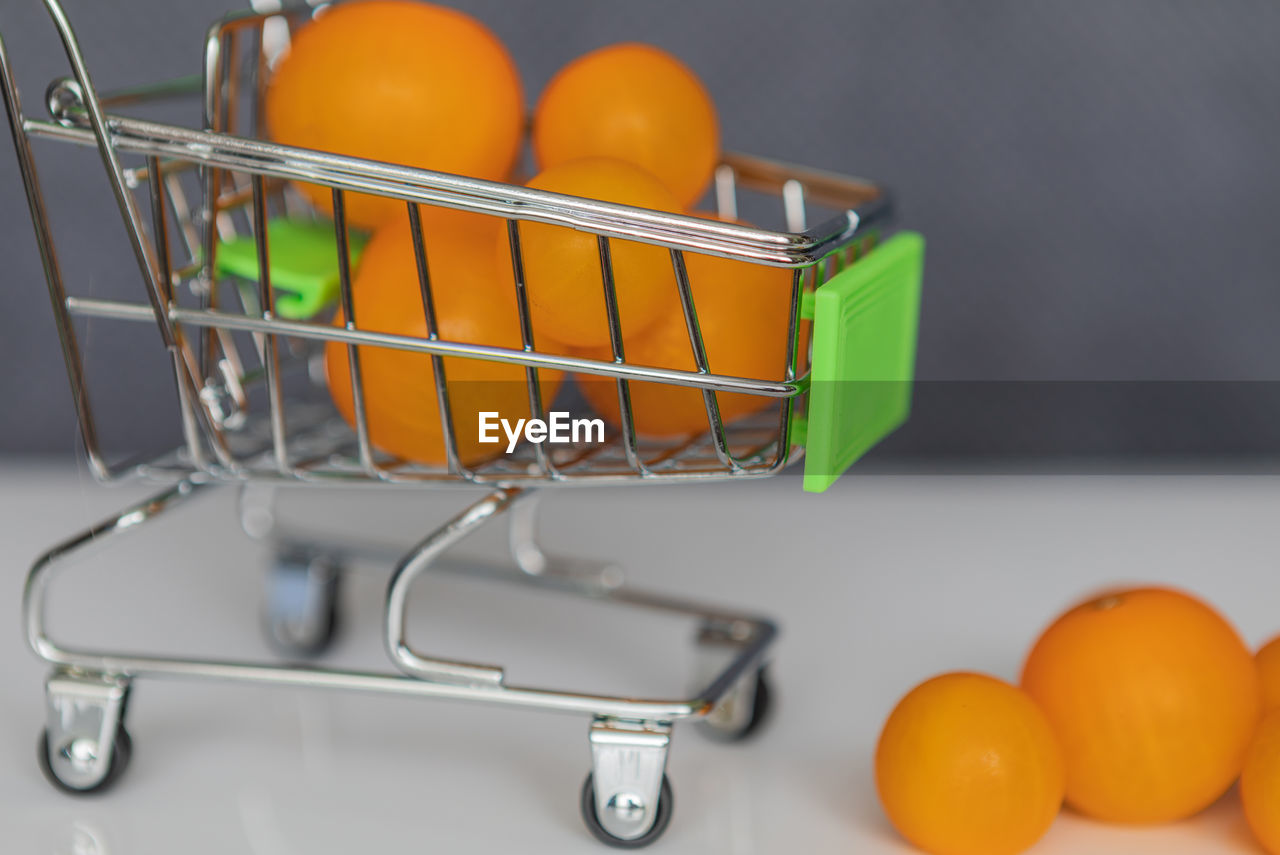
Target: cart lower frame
85 746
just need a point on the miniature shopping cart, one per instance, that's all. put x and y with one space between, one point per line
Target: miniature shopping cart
222 289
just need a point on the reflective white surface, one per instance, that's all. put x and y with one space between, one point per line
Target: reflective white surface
879 584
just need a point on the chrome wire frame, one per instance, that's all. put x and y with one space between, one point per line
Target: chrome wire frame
220 354
242 179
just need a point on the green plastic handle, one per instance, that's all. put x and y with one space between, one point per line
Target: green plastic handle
865 321
303 261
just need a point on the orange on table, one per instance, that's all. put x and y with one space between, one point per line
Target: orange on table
473 305
637 103
1260 784
743 309
405 82
968 765
1268 659
562 265
1154 697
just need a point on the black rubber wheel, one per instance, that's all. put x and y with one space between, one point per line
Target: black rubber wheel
120 757
287 643
761 708
666 803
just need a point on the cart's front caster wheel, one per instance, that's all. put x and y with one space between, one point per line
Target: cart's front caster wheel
741 712
302 604
68 767
625 808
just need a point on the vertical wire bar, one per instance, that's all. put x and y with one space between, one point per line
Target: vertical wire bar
217 48
160 239
630 443
67 338
793 205
270 353
793 355
532 379
443 402
726 192
709 399
353 352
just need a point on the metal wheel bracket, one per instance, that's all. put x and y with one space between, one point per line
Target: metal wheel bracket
628 761
718 644
84 713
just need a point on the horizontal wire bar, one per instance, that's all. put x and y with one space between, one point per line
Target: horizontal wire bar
678 231
319 332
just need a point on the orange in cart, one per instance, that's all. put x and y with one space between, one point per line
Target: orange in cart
404 82
743 312
1154 697
968 765
636 103
1260 784
562 266
472 305
1268 659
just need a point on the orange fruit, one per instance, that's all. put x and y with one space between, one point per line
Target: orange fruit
473 305
636 103
743 312
968 765
1260 784
1154 697
404 82
1268 659
562 265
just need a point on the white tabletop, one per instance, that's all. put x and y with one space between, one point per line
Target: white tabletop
881 583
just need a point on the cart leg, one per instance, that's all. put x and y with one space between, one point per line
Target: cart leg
627 800
410 568
85 748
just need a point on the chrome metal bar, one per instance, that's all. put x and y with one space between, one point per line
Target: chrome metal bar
699 349
726 185
67 338
160 232
349 321
134 666
147 264
321 332
443 403
793 204
270 349
630 443
409 569
713 237
532 380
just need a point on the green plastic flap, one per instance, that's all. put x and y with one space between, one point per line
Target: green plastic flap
864 353
304 263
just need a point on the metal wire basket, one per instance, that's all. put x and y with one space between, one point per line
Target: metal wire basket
186 194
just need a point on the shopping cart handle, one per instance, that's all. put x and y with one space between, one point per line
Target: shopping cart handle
864 348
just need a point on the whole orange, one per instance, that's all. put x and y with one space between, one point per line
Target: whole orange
1260 784
404 82
968 765
562 265
473 305
637 103
743 314
1154 697
1268 659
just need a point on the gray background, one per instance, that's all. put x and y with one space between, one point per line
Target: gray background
1097 180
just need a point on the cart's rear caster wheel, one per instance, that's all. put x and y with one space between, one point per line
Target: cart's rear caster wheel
737 718
302 614
80 751
666 803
